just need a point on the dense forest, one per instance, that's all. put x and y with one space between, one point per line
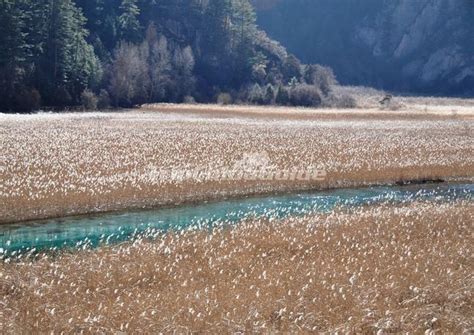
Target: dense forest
416 46
100 53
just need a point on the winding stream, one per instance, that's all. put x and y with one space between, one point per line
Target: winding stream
94 230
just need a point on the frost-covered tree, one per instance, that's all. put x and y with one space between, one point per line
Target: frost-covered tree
129 24
129 75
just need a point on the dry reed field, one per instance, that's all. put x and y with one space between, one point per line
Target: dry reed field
53 165
378 269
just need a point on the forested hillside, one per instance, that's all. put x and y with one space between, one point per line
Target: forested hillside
421 46
98 53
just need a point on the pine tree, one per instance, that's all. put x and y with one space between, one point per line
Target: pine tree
243 24
217 21
243 37
102 22
67 63
12 51
292 68
215 63
85 70
129 24
12 36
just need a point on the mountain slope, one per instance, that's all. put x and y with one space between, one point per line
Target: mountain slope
424 46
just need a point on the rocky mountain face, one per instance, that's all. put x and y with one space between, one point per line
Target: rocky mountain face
419 46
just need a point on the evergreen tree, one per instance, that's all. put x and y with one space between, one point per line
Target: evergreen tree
67 64
129 24
14 55
244 30
282 97
215 63
269 95
86 70
12 36
102 23
54 51
292 68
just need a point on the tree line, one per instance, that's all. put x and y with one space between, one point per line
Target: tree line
100 53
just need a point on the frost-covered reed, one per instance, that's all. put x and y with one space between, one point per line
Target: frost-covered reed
61 164
377 269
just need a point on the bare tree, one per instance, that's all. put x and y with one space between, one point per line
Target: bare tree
159 63
128 75
183 67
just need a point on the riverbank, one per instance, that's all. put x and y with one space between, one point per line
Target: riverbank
56 165
404 268
90 231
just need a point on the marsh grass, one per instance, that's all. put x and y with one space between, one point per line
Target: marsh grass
377 268
53 165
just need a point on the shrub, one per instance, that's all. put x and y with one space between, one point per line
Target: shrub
224 99
274 76
293 82
259 73
62 97
255 95
269 97
89 100
341 101
282 97
27 100
391 105
292 68
189 100
305 95
321 76
103 101
346 101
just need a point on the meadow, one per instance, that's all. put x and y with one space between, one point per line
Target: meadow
54 165
377 269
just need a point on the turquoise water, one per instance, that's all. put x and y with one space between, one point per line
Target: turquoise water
90 231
